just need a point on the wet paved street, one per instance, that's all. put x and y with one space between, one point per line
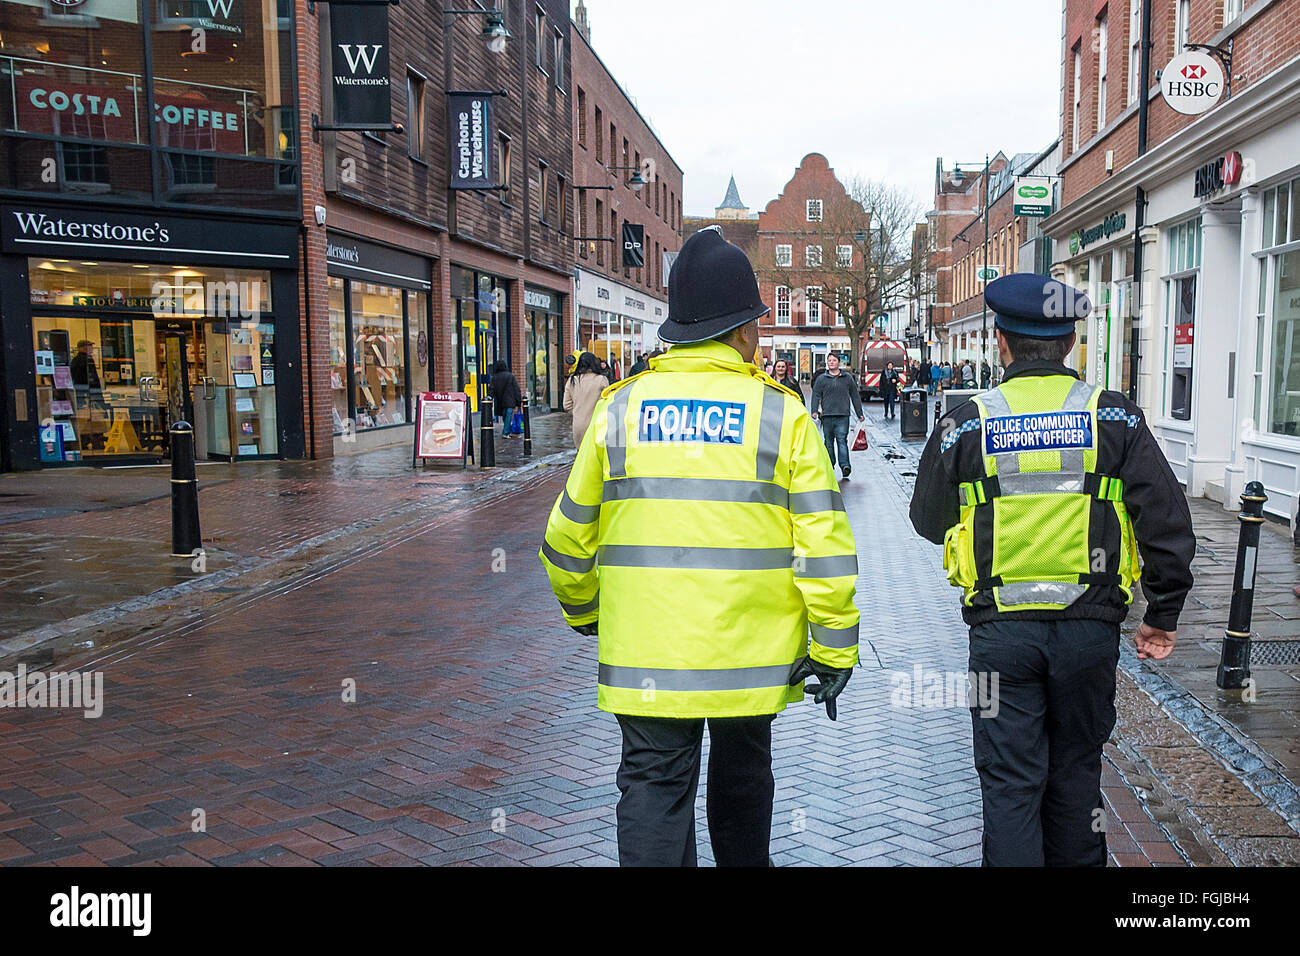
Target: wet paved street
421 700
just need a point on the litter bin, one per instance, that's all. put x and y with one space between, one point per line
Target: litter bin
913 419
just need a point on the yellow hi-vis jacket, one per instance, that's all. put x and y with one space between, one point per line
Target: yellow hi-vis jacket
702 525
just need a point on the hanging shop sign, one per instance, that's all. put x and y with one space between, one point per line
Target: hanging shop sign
1192 82
1032 196
633 245
360 65
1219 174
472 136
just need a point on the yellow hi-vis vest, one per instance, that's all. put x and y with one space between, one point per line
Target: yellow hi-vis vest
703 526
1041 526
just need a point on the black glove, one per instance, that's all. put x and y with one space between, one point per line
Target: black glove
832 680
587 629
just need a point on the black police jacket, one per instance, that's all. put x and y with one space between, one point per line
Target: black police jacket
1127 450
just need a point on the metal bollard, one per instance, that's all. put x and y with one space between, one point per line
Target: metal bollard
487 452
185 493
1234 660
528 431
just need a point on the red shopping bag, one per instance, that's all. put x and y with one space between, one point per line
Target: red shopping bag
860 439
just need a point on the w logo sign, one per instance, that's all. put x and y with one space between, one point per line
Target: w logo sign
355 53
220 8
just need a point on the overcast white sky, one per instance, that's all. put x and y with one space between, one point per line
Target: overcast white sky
880 88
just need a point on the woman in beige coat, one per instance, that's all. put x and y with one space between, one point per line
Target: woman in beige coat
582 393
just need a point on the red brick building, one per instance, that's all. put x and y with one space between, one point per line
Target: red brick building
956 198
620 309
1186 246
413 286
801 233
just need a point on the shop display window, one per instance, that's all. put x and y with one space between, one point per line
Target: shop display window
379 356
124 350
1284 404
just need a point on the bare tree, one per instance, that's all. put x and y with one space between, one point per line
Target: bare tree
866 248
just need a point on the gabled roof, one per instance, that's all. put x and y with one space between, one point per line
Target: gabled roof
732 199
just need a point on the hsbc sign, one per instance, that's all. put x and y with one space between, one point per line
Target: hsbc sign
1217 175
1192 82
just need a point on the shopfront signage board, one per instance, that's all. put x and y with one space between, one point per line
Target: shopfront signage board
441 426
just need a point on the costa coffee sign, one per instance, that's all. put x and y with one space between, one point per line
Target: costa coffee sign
1217 175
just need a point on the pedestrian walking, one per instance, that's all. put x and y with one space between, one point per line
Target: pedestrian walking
986 375
968 374
781 372
506 397
923 377
832 396
1044 492
945 376
889 388
607 370
583 392
659 549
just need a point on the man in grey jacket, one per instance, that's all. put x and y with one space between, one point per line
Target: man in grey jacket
832 395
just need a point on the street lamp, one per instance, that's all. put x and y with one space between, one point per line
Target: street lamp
637 180
494 32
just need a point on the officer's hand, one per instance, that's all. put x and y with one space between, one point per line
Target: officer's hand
1154 643
832 680
587 629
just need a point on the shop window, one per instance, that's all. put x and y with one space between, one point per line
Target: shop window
1284 400
339 371
378 356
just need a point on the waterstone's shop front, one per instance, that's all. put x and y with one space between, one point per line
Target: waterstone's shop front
116 325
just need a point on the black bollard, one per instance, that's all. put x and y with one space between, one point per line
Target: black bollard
1234 661
185 493
487 452
528 432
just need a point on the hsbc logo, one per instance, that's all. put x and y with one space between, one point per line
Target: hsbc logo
1192 82
1220 174
1193 71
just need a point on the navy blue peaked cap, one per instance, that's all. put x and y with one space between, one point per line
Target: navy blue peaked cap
1038 306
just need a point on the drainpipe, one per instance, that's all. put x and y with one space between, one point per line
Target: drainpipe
1139 204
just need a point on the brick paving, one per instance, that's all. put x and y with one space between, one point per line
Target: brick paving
473 737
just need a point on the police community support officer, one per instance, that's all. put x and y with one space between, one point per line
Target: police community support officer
1043 493
702 526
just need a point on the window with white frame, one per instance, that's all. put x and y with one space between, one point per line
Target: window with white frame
1181 299
812 256
784 255
845 305
1103 54
1135 82
1231 10
813 210
1278 351
1078 99
812 295
844 256
782 305
1182 25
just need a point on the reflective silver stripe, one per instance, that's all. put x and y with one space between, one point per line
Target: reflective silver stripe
995 403
808 502
1039 592
1041 482
835 637
837 566
582 514
567 562
696 489
704 559
703 679
575 609
1080 395
769 433
616 432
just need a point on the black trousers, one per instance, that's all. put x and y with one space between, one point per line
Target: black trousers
1039 735
658 778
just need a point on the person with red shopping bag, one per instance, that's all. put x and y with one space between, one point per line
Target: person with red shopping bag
860 439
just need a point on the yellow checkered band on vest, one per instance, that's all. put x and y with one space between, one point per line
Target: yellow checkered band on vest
1034 531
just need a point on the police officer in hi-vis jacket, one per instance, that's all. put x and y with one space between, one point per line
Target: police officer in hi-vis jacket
1044 493
701 533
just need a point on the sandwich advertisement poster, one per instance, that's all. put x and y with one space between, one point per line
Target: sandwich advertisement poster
440 425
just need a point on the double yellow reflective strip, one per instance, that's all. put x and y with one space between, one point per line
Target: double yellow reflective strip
1110 488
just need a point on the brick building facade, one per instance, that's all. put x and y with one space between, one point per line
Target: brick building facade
427 287
1186 248
619 309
